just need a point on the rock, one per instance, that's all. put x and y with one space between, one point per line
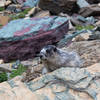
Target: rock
95 36
33 12
82 3
94 69
18 1
67 39
97 23
1 61
89 51
8 2
13 8
82 21
26 3
93 10
6 67
2 3
62 84
29 63
42 14
58 6
4 20
23 38
82 37
72 19
30 3
93 1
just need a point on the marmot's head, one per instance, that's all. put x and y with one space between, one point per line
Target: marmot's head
48 52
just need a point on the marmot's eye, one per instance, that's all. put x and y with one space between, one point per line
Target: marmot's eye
55 49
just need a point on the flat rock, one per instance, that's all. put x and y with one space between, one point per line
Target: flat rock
62 84
93 10
5 67
89 51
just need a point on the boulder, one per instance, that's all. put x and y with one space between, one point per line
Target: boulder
58 6
23 38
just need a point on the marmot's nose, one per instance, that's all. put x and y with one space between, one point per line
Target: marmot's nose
41 55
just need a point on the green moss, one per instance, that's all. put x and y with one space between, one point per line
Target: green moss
2 8
1 25
3 77
18 71
14 73
13 17
26 10
20 15
88 27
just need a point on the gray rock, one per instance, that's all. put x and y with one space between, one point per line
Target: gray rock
82 3
93 10
62 84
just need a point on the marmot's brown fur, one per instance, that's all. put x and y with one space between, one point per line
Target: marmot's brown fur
53 58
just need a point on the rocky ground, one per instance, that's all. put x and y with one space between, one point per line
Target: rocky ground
27 26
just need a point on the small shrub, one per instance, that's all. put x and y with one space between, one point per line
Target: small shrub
2 8
88 27
18 71
20 15
3 77
14 73
26 10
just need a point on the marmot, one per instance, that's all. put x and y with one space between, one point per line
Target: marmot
54 58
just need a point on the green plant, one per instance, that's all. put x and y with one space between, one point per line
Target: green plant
18 71
20 15
14 73
1 25
26 10
2 8
88 27
3 77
